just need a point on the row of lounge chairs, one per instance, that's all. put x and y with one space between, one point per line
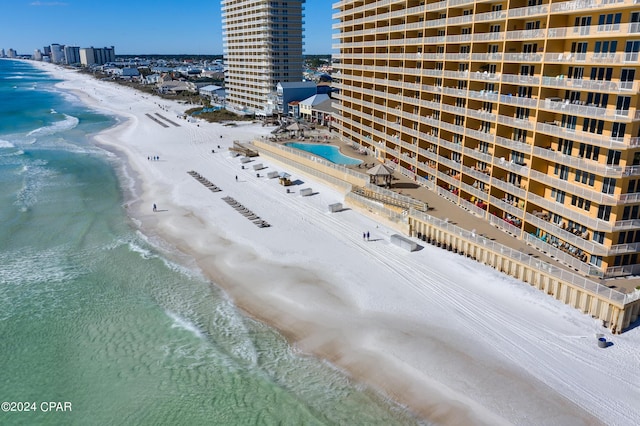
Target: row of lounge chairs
203 180
246 213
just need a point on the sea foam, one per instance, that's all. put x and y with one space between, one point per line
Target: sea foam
179 322
6 144
68 123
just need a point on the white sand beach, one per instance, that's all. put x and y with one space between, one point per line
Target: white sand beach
456 342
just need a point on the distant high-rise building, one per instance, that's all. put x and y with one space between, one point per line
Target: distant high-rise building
525 112
72 55
12 54
46 51
37 55
57 54
87 57
262 47
97 56
2 54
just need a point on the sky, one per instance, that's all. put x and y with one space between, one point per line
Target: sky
137 26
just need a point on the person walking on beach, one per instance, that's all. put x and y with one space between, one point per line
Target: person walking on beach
367 235
155 208
364 235
236 178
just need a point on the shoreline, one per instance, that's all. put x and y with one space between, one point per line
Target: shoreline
365 338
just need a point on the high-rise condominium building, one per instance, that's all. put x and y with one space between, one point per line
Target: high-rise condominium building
57 53
523 111
72 55
262 47
96 56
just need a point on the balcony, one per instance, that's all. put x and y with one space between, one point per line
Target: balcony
569 214
571 238
510 99
507 207
597 85
491 16
516 122
594 58
513 144
503 224
519 169
526 12
561 256
624 248
520 79
554 129
526 34
477 154
488 36
483 136
629 198
571 189
480 114
483 57
626 225
511 188
565 107
579 163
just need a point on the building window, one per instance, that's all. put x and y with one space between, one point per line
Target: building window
592 125
580 202
520 135
565 146
589 152
558 195
608 186
609 22
618 129
522 113
596 260
598 237
568 121
604 213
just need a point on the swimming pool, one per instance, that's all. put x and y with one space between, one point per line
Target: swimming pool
328 152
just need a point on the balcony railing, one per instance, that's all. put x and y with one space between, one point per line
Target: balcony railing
624 225
532 261
572 108
509 187
574 215
506 207
599 85
561 256
501 223
624 248
579 136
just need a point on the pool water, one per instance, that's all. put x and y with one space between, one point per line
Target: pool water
328 152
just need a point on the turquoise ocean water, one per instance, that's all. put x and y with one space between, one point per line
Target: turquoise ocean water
93 315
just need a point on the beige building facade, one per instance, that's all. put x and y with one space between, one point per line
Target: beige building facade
523 111
262 47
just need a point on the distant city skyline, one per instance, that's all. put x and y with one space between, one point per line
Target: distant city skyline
140 27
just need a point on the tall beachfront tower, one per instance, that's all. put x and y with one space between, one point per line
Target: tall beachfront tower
262 47
524 112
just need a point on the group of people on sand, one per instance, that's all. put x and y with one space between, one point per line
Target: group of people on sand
365 235
153 158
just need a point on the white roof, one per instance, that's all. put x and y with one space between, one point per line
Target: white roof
211 88
315 99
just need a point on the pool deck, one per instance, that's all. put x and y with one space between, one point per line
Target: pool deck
441 208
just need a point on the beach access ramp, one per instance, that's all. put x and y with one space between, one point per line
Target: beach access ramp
242 149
